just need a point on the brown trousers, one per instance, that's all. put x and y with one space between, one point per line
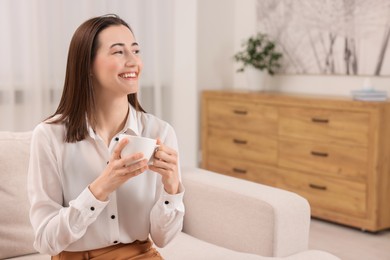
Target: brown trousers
135 251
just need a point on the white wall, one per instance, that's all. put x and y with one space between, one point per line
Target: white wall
326 85
215 43
242 23
184 106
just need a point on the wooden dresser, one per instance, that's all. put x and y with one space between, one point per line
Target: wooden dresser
333 151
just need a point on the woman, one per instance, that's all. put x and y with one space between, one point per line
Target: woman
87 202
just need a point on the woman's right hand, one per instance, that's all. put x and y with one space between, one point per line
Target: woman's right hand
117 172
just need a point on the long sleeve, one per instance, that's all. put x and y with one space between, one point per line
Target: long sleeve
55 226
166 217
167 214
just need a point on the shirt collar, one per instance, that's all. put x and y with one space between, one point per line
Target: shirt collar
91 132
131 125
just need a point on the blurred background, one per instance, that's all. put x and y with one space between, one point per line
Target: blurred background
187 46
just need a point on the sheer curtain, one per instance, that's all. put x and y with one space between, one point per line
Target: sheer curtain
35 36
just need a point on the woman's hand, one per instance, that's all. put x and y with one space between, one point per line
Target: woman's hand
117 172
165 163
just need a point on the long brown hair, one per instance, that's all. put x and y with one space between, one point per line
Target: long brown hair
78 100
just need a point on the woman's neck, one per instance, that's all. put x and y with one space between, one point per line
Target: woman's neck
110 118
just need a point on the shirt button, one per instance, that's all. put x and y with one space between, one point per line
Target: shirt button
166 202
116 138
92 208
115 242
113 216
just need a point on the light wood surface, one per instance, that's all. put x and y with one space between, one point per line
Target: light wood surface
333 151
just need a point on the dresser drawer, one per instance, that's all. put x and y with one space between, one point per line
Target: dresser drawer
327 125
331 194
244 170
242 145
332 151
243 115
326 159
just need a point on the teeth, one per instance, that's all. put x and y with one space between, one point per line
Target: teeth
128 75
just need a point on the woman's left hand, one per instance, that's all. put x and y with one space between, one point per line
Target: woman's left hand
165 163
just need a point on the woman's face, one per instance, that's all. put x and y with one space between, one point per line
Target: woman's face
117 65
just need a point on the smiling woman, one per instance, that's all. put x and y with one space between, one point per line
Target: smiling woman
117 63
105 204
93 82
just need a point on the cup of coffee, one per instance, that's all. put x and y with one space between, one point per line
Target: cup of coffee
138 144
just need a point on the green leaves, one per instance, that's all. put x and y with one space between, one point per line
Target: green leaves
260 52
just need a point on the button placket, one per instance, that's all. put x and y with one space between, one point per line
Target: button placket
112 219
112 145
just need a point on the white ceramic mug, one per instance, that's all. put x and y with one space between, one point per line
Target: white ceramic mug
138 144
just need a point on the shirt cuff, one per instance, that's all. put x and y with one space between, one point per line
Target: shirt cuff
88 205
173 201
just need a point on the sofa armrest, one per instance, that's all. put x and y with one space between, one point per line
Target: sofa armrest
244 216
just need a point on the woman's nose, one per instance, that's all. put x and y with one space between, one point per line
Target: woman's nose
132 60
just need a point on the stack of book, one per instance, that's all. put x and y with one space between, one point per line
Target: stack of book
369 95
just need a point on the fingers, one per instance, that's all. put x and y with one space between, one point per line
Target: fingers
128 166
165 163
165 160
131 165
165 153
133 169
116 173
128 160
163 166
118 149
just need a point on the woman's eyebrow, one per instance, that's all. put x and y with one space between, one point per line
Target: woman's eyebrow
117 44
122 44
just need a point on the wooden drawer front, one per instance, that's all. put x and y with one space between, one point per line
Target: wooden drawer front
324 124
328 193
242 145
333 160
243 170
242 116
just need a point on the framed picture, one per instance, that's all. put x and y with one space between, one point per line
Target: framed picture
335 37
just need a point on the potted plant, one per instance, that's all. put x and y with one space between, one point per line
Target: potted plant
259 56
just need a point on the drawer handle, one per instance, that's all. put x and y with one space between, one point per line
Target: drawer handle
320 154
317 187
240 112
238 141
320 120
238 170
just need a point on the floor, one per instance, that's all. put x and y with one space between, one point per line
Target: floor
349 243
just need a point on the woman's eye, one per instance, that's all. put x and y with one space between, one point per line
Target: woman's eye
136 51
118 52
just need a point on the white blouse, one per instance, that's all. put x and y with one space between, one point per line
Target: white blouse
67 217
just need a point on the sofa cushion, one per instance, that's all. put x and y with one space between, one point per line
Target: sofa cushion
14 214
190 248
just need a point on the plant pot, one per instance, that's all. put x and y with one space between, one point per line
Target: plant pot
257 80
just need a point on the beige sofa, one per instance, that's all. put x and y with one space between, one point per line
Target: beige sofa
226 218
